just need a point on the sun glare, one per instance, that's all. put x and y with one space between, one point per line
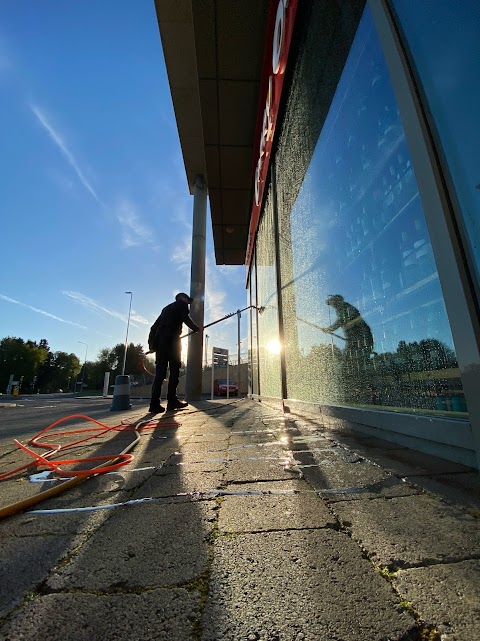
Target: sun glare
274 347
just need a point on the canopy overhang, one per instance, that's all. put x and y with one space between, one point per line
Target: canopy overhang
214 53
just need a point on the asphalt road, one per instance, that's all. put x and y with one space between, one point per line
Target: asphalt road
33 413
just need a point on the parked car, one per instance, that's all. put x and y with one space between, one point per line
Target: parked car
220 387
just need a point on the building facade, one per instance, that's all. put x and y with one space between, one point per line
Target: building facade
363 216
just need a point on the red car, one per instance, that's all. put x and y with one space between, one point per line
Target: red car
220 387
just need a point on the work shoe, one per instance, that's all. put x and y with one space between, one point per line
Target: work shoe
176 405
156 409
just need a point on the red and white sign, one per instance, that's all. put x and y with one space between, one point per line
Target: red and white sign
279 35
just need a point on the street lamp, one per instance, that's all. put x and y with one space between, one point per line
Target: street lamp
126 337
84 363
206 350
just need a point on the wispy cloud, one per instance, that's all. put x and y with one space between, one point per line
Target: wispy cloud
215 293
65 151
134 231
39 311
92 305
181 255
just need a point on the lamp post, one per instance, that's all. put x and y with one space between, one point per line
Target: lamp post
84 363
126 337
206 350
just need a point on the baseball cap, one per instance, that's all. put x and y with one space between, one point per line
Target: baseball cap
334 298
183 295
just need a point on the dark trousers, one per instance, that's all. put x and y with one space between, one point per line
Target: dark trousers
168 354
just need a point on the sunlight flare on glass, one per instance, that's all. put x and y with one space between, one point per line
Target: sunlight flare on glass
274 346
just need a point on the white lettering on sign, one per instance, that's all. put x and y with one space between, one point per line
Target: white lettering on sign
279 37
278 66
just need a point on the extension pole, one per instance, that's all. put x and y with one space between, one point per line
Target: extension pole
219 320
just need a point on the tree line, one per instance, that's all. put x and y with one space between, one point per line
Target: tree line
39 369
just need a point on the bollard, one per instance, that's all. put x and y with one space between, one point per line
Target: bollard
121 394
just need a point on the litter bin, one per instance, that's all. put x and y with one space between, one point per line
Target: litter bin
15 390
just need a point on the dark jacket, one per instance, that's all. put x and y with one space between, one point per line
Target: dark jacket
357 333
169 323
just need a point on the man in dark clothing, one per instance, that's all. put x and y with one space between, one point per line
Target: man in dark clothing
358 335
356 363
164 340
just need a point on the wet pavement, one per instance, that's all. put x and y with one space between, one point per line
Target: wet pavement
235 522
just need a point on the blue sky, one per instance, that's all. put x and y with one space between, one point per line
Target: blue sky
94 196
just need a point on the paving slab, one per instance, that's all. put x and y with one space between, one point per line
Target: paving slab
12 491
146 545
244 471
417 462
25 563
372 442
259 452
442 488
174 481
301 442
339 474
203 449
447 596
210 437
160 615
387 487
459 489
311 585
326 455
187 457
412 530
267 513
254 437
177 462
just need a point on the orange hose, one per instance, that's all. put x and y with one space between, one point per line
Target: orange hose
82 475
55 466
144 366
54 448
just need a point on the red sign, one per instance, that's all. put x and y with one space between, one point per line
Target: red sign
279 35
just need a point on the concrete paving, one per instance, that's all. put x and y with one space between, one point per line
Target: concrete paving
236 523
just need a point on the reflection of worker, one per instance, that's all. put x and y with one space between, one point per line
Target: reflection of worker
164 340
358 335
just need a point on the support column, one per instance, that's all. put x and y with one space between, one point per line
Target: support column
193 387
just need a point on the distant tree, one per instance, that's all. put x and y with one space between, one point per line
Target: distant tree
57 372
133 364
43 374
21 358
111 360
108 359
95 372
62 369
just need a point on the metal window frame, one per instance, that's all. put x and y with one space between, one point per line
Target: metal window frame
439 209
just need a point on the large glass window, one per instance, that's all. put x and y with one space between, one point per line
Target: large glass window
364 317
267 298
442 37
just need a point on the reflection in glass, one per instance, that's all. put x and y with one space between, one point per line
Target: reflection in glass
443 38
268 335
364 317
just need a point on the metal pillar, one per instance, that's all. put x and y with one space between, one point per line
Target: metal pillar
193 387
239 316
